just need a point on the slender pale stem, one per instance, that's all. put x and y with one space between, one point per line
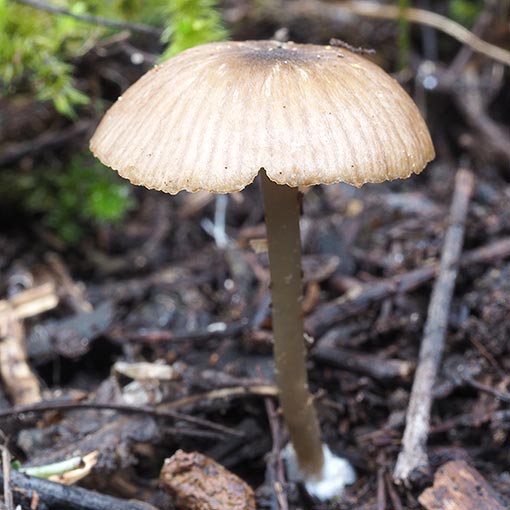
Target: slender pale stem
282 211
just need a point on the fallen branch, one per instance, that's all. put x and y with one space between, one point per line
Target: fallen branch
57 495
413 456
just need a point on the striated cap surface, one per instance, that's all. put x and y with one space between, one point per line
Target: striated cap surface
213 116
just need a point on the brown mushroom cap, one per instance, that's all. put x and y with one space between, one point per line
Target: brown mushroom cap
213 116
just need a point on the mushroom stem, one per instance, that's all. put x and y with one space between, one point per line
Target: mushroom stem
282 210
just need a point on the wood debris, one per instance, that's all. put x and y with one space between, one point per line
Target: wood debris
413 455
458 486
199 483
21 384
30 302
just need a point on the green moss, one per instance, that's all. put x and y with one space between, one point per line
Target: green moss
38 54
465 11
35 53
192 22
38 50
70 198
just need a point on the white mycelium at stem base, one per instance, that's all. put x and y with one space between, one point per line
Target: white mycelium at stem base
336 473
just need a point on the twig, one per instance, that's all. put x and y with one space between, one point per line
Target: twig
361 298
381 485
57 495
413 455
96 20
374 366
73 291
343 44
30 302
473 419
121 408
413 15
504 397
19 380
6 467
225 394
494 134
46 140
487 355
275 461
214 330
395 499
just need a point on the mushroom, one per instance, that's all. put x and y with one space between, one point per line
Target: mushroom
215 116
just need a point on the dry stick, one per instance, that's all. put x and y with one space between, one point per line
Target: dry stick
96 20
421 16
372 365
57 495
275 461
74 293
395 499
381 482
503 396
265 390
6 466
28 303
413 455
19 380
22 411
162 336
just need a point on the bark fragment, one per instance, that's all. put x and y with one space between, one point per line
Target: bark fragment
199 483
458 486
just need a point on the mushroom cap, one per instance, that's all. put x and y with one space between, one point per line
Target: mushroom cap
213 116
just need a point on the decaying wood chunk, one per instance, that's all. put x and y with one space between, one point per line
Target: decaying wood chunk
29 302
199 483
20 382
458 486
